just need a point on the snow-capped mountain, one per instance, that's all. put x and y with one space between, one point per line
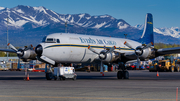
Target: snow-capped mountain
27 23
173 31
40 16
1 8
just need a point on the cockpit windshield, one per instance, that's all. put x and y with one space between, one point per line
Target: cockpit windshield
44 39
50 40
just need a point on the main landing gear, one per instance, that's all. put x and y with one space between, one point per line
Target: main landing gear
122 73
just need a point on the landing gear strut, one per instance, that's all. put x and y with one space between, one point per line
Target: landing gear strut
48 71
122 73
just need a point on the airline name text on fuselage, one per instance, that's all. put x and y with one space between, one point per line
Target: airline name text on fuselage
97 41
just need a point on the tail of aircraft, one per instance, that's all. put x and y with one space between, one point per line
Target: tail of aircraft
147 35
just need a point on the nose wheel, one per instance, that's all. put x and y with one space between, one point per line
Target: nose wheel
123 75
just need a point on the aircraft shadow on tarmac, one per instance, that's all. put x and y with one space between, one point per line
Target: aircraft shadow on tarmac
134 75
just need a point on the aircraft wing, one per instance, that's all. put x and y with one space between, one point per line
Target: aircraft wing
8 50
130 55
164 51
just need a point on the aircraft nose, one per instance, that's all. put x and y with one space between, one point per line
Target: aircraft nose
39 50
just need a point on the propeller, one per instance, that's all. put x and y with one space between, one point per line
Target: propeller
102 55
138 50
20 51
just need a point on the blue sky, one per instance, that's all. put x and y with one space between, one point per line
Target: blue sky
166 13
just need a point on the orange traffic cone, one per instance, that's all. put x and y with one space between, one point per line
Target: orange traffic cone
157 73
27 79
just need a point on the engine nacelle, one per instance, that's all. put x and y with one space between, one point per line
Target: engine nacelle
28 54
108 57
147 53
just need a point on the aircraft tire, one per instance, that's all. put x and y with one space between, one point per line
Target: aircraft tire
171 69
60 78
177 69
126 75
74 78
55 77
63 78
119 74
49 76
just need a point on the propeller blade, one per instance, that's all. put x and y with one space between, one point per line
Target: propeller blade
128 45
48 60
12 47
148 45
112 49
91 49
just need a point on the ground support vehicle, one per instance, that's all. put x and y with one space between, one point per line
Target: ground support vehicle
167 65
62 73
177 65
154 66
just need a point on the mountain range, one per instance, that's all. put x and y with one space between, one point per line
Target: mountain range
28 25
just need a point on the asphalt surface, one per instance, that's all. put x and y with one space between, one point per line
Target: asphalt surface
141 86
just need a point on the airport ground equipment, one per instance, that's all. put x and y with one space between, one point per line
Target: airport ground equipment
177 65
153 66
167 65
63 73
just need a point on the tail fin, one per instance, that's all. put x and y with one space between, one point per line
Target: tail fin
147 35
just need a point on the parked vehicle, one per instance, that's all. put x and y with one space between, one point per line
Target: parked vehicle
153 66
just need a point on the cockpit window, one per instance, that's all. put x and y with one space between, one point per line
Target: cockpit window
58 41
50 40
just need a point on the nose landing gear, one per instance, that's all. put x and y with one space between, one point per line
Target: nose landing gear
122 73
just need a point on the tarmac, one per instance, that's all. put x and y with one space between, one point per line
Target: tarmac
141 86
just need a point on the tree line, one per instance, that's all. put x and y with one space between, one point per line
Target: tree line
162 45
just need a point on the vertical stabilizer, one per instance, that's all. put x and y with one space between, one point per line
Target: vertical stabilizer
147 36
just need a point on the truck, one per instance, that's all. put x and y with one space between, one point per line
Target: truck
62 73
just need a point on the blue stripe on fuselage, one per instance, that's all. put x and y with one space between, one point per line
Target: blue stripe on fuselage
84 46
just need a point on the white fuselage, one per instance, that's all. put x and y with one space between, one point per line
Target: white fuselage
73 48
